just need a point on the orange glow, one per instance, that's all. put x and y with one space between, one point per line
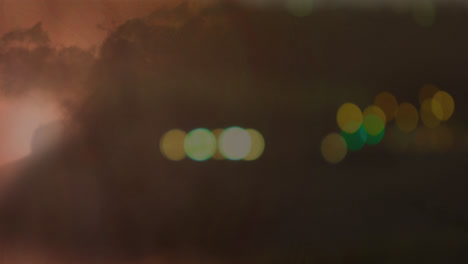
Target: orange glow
388 103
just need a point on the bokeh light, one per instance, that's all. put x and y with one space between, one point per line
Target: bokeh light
258 145
427 114
424 13
356 140
200 144
407 117
235 143
446 103
334 148
217 133
388 103
427 92
349 118
374 140
172 145
373 125
375 110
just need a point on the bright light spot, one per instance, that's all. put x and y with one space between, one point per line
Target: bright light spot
357 140
407 117
427 114
300 8
334 148
258 145
446 103
200 144
375 110
172 145
217 133
427 92
388 103
235 143
349 118
373 125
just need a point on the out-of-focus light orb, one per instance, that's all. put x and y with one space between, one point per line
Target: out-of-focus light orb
334 148
407 117
388 103
258 145
217 133
349 118
424 13
299 8
374 140
427 115
200 144
427 92
373 125
172 145
356 140
235 143
446 103
375 110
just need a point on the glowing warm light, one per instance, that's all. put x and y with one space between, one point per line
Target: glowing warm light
388 103
200 144
334 148
356 140
349 118
375 110
427 114
172 145
446 103
258 145
407 117
235 143
217 133
427 92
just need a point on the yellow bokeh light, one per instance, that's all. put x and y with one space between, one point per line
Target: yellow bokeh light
427 116
258 145
388 103
235 143
217 133
375 110
334 148
407 117
349 118
427 92
446 103
172 145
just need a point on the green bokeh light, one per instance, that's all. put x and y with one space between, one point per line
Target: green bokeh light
374 140
373 125
200 144
357 140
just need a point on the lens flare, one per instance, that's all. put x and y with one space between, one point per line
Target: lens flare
388 103
172 145
334 148
446 103
356 140
200 144
407 117
235 143
258 145
349 118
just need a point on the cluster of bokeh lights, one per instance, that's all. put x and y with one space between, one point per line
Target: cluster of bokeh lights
359 128
201 144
